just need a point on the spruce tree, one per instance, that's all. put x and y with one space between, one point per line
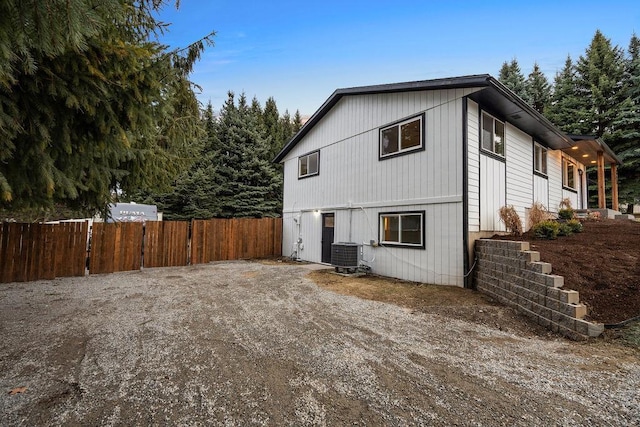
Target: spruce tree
599 84
625 137
566 109
537 89
511 76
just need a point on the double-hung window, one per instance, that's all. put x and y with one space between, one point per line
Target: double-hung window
402 137
539 159
402 229
492 135
309 165
568 174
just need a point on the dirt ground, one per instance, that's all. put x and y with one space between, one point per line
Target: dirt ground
602 263
247 343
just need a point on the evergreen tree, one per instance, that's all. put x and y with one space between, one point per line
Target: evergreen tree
297 122
252 186
89 104
537 89
565 109
274 127
511 76
599 84
625 138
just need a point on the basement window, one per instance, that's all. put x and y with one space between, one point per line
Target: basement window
402 229
402 137
492 135
309 165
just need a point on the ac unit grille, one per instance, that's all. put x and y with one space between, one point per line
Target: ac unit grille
345 255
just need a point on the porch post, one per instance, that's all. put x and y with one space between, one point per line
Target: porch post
614 186
602 200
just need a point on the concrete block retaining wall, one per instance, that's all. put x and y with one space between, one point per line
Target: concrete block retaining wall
512 274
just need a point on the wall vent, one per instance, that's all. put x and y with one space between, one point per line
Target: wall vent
345 256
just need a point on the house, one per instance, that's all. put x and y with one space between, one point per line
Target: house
416 172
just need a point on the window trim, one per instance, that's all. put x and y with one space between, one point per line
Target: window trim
492 152
308 175
401 152
381 240
565 174
545 150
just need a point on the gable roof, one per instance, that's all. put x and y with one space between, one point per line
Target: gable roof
492 94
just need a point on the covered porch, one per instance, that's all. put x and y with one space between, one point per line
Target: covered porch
593 152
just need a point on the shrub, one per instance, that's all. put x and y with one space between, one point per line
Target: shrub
564 229
547 229
566 210
511 219
566 213
574 225
537 214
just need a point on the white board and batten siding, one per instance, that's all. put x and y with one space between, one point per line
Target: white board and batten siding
519 165
541 190
356 185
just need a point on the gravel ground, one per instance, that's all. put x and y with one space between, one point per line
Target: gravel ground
242 343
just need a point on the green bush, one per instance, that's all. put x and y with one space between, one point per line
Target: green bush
548 229
564 229
575 225
566 213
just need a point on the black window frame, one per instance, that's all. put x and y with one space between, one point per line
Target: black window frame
399 244
398 124
308 175
492 152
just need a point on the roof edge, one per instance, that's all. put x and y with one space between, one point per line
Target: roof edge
475 80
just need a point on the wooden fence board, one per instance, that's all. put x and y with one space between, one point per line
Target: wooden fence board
166 244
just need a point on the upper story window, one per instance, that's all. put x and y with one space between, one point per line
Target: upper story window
492 135
309 165
568 174
402 137
539 159
402 229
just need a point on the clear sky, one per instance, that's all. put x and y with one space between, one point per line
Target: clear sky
300 52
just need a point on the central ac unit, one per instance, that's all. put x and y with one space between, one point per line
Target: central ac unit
345 256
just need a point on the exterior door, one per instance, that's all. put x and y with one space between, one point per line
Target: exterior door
327 236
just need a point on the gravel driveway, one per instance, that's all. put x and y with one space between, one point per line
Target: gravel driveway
241 343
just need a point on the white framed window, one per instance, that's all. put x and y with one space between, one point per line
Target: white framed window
402 229
492 135
402 137
568 174
309 165
539 159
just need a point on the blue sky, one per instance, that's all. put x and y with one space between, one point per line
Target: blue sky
299 53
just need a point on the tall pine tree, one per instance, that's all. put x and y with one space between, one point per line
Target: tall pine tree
511 76
537 89
565 109
599 84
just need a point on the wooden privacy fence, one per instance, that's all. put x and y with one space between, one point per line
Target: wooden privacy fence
45 251
42 251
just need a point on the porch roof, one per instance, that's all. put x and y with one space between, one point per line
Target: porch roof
585 149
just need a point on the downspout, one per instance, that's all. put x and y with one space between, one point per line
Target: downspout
468 282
